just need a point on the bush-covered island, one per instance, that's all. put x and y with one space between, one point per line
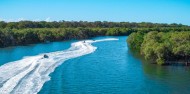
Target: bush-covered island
162 47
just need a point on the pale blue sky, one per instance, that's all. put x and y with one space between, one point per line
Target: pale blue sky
158 11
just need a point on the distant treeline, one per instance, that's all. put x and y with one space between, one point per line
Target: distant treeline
84 24
29 32
162 47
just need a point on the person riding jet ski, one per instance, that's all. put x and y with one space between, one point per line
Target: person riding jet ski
46 56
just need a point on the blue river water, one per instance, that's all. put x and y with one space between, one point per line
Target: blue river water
110 69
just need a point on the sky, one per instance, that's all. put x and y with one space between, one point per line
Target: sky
156 11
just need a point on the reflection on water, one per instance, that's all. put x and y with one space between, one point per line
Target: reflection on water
175 79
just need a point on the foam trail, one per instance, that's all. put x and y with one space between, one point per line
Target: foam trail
28 75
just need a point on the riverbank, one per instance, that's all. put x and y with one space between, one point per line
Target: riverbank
162 48
28 32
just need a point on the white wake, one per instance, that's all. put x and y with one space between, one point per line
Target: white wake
28 75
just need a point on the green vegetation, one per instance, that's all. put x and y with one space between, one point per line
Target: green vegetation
160 43
28 32
9 37
162 47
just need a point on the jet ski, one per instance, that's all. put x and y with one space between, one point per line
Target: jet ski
46 56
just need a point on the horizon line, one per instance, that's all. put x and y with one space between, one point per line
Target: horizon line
8 21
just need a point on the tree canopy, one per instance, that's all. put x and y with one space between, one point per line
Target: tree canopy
28 32
162 47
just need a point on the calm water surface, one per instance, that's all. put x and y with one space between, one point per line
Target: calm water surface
111 69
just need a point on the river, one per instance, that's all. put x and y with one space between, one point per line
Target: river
102 65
